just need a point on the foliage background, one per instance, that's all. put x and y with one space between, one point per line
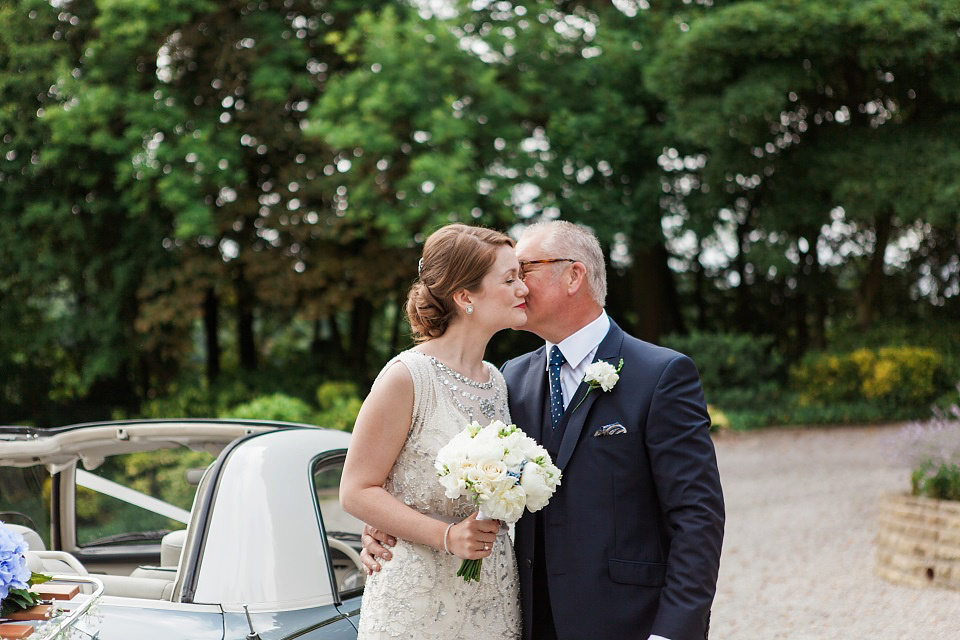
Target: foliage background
205 204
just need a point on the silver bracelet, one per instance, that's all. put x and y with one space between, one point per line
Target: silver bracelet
445 534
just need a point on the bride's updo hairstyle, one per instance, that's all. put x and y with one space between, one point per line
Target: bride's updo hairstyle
455 257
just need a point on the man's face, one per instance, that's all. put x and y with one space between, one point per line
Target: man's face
543 282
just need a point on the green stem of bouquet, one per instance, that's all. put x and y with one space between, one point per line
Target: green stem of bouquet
470 569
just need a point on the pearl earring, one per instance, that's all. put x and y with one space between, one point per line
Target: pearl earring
469 309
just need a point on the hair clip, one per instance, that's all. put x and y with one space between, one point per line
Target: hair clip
420 266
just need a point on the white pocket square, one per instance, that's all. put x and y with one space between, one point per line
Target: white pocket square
609 430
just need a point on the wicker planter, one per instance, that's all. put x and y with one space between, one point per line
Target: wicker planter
918 542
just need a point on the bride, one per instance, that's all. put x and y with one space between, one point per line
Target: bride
469 288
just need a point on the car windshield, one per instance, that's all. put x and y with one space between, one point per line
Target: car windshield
137 497
25 498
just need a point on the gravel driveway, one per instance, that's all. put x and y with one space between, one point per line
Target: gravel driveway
798 556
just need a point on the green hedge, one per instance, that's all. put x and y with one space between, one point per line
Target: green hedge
335 404
339 404
738 370
890 377
938 334
276 406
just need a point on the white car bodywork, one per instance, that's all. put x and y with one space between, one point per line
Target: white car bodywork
258 534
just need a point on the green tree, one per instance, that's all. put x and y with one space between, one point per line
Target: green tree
821 128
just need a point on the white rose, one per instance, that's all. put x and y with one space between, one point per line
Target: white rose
608 380
469 474
463 440
533 451
515 452
485 437
603 374
454 452
552 475
492 471
497 426
513 458
506 505
534 484
487 451
453 487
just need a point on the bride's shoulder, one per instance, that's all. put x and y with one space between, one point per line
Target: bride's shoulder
394 374
413 359
495 374
411 365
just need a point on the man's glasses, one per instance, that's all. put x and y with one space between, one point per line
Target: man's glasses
524 264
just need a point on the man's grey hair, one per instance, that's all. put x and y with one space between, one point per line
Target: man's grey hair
562 239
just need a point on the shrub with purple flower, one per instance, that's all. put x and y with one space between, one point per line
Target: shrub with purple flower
932 451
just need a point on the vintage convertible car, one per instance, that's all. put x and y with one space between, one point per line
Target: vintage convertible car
200 530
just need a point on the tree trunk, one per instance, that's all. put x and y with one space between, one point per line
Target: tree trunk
211 328
620 298
398 322
872 282
801 340
744 318
143 362
655 297
806 280
246 344
824 287
820 324
699 287
336 339
360 320
316 341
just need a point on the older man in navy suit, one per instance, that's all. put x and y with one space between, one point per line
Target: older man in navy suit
629 545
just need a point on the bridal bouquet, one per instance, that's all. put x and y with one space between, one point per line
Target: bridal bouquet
503 469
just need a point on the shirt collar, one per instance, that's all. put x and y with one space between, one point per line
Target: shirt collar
579 345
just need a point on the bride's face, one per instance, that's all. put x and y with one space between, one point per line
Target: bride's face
500 299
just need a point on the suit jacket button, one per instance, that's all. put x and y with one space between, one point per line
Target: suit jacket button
529 563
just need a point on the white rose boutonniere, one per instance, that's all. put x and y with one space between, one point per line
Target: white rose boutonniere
601 375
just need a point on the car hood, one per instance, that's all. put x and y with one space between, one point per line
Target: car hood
91 443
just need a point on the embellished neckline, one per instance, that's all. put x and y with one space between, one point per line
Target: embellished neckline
459 377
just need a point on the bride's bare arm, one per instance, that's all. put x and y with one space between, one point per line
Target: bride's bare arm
378 436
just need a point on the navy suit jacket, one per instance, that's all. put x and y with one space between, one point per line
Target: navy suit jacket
632 536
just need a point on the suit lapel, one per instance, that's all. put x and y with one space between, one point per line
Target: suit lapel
533 393
609 350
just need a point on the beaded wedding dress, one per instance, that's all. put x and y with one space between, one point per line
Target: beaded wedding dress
417 593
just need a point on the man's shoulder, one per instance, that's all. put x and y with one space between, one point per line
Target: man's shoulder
522 360
520 363
649 351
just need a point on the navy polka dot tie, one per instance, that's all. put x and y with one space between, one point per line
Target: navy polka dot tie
556 391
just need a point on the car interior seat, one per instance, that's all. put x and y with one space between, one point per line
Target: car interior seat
40 560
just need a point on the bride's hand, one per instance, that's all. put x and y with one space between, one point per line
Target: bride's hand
375 548
472 539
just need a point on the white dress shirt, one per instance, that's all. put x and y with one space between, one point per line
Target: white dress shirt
578 351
